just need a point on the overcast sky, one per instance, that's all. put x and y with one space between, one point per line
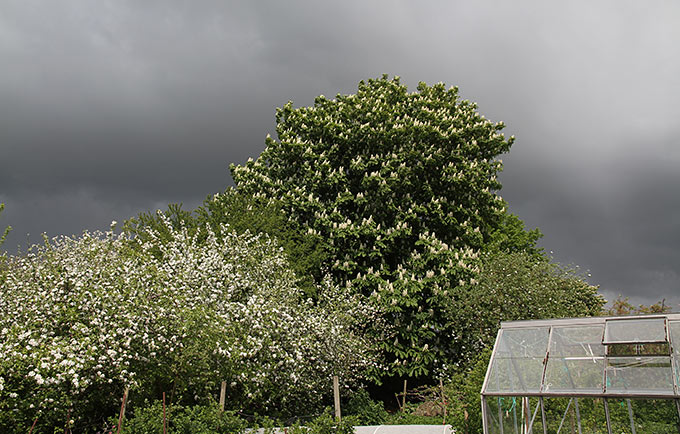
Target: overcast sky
110 108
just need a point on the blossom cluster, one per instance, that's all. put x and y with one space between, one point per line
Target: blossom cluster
83 318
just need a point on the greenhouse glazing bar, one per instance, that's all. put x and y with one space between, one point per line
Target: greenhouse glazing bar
630 415
606 412
565 416
545 429
533 418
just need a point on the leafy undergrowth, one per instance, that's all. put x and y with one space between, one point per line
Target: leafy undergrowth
360 409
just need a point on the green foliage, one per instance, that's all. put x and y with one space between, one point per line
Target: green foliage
147 223
3 237
514 286
305 251
3 255
622 306
203 419
408 417
511 237
463 396
649 415
242 213
324 424
391 194
364 410
402 186
207 418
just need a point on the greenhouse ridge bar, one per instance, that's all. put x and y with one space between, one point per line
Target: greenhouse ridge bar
578 372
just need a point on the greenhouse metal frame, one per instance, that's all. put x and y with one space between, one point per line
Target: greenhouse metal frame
590 362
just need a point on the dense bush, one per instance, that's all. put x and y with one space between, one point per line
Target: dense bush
208 419
463 396
324 424
198 419
83 318
364 410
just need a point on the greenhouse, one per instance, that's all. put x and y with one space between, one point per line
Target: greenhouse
584 375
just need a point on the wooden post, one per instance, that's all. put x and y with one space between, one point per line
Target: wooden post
403 398
441 388
336 397
165 425
223 395
122 410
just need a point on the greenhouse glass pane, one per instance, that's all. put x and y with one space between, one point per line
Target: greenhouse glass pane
639 375
517 364
577 341
635 330
515 375
574 374
505 411
492 416
523 342
674 327
639 349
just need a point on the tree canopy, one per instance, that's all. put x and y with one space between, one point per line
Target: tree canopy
403 188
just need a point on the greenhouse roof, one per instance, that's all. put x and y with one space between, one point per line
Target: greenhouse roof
623 356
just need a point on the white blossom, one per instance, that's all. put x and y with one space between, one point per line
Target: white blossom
100 309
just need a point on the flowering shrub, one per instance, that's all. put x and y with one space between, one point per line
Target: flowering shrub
305 252
83 318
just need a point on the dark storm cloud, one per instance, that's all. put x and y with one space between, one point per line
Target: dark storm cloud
619 221
111 108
